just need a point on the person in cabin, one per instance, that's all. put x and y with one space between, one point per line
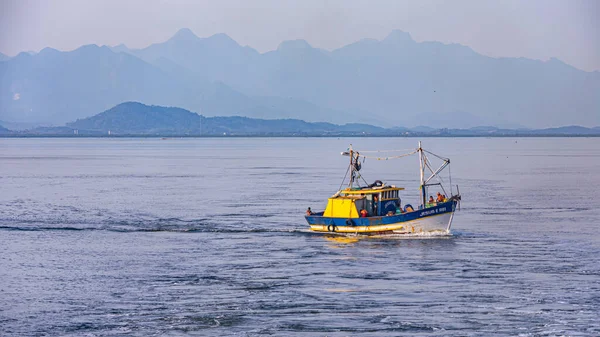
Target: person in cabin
363 213
309 211
375 204
431 201
440 198
444 198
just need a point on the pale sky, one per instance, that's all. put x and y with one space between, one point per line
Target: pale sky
540 29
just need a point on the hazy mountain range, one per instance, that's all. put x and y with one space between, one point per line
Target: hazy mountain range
393 82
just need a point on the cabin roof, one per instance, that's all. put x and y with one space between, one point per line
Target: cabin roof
352 197
371 190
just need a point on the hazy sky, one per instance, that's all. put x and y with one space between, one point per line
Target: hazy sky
569 30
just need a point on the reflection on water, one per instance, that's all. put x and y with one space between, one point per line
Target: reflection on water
341 239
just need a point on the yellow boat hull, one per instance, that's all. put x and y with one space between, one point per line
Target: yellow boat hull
435 223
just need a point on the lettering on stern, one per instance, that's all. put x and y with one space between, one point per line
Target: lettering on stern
433 211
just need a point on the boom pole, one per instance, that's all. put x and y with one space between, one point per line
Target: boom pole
422 172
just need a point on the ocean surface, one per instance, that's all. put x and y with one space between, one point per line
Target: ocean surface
206 237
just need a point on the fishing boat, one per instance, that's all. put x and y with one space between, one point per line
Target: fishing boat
376 209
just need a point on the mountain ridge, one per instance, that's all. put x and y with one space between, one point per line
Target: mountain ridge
387 82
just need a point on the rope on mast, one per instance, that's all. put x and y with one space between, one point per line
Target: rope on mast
345 175
385 151
355 157
390 157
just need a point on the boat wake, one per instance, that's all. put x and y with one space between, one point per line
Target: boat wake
191 226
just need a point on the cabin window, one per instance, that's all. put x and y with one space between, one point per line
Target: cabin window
389 195
369 204
361 204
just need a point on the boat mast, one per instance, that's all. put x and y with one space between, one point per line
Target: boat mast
422 172
351 167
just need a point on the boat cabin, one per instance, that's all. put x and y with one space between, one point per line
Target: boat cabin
348 203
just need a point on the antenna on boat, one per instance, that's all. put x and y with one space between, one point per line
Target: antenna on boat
353 168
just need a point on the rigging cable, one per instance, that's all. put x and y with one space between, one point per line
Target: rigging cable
383 151
450 178
433 154
391 157
345 175
437 176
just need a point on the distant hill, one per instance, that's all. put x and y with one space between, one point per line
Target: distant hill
132 118
567 130
3 57
137 118
458 119
393 82
21 126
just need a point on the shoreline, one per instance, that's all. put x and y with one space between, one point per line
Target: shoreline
169 136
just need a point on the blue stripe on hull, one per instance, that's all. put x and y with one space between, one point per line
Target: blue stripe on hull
446 207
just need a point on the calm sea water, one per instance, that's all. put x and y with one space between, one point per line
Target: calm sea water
151 237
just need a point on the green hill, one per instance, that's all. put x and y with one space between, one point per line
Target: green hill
137 118
132 118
